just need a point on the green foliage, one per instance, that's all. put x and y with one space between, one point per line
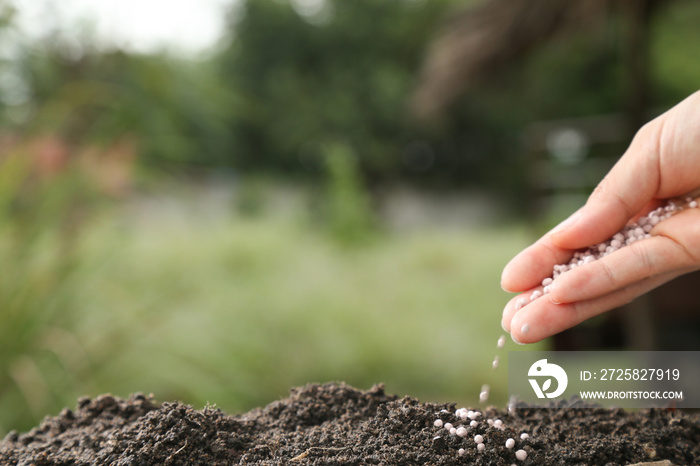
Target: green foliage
291 79
675 47
176 110
302 83
41 220
237 311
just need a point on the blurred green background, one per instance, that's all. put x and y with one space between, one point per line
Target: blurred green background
306 199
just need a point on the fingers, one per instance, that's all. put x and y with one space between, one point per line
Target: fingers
513 306
631 264
542 318
527 269
609 281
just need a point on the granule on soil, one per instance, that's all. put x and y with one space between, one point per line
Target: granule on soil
335 424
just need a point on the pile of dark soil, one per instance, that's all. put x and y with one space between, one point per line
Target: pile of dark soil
335 424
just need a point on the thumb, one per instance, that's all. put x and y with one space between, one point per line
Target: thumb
629 186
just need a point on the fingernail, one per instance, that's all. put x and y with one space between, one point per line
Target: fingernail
512 337
552 299
573 218
524 329
503 320
552 286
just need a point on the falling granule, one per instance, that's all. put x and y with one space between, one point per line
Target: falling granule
501 341
510 443
484 395
521 455
495 362
512 403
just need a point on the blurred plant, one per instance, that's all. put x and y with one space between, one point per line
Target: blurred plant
172 111
348 210
250 197
42 216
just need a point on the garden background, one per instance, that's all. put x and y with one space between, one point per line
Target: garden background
315 197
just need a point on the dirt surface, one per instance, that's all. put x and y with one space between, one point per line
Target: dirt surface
335 424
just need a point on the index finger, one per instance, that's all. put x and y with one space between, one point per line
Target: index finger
536 262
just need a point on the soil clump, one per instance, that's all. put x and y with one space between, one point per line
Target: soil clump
335 424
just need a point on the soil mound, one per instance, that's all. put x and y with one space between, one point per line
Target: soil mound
334 424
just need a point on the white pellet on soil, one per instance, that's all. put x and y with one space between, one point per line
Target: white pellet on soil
462 431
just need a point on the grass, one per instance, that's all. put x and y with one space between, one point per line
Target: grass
237 311
234 310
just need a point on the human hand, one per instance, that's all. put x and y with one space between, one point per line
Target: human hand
662 162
